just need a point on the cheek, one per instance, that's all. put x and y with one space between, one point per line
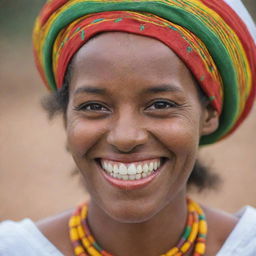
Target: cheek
82 135
179 136
181 139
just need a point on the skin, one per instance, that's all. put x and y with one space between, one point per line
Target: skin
131 99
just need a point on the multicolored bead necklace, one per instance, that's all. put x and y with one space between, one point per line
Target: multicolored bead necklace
193 237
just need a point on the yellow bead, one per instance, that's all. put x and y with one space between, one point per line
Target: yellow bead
93 251
73 234
172 252
81 231
91 239
79 250
191 207
84 212
86 242
193 233
74 221
185 247
202 227
200 248
198 208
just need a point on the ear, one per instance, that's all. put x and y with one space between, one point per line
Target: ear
210 120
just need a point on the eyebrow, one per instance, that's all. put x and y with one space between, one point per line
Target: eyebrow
163 88
155 89
90 90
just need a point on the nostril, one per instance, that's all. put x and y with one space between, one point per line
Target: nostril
125 136
126 150
126 145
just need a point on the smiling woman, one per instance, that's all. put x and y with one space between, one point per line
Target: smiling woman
156 119
141 84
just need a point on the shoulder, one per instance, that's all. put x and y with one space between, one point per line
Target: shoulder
23 238
231 235
220 225
242 240
56 229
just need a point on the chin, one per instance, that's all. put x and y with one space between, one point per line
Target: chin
132 213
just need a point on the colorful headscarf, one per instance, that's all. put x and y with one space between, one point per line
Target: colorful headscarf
214 38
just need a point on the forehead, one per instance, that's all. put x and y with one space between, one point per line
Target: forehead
117 55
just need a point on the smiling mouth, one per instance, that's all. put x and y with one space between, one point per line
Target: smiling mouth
131 171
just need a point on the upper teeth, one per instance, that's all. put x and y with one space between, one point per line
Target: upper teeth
130 171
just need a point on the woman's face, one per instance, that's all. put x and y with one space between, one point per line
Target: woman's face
133 108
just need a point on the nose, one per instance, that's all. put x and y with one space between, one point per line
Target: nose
127 133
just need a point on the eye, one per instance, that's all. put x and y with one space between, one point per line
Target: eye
92 107
162 104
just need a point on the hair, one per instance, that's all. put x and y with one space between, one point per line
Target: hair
201 176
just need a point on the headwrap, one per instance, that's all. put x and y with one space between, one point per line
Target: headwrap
214 38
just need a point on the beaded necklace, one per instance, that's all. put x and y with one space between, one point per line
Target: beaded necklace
193 237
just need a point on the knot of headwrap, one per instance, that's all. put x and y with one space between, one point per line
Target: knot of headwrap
208 35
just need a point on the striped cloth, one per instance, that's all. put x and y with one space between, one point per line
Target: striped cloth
215 38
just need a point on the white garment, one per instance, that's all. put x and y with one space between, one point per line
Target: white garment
24 239
242 240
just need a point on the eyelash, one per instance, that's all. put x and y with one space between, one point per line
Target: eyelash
166 102
84 107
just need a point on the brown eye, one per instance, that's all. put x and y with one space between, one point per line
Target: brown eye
162 105
92 107
95 107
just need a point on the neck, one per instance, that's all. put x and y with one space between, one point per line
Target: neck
151 237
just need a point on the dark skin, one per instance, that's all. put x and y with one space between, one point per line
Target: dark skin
129 102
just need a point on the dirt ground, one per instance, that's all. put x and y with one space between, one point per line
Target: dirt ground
36 172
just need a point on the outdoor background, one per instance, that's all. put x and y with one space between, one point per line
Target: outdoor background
35 170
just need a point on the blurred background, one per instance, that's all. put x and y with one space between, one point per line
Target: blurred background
36 171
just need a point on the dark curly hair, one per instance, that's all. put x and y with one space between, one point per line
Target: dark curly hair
201 177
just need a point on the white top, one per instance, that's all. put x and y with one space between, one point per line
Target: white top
24 238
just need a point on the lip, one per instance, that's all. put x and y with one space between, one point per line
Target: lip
130 158
130 184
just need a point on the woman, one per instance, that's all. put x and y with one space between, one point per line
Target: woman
141 84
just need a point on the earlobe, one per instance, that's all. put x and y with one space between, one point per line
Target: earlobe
210 122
